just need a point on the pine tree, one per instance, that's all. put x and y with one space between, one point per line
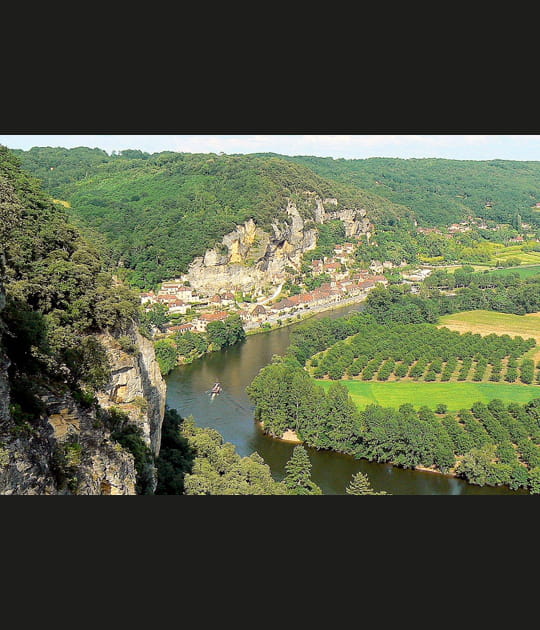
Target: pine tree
298 477
360 485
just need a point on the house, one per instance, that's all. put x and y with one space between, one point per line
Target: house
216 300
205 318
317 266
148 297
376 266
259 313
178 306
227 299
332 267
537 204
283 305
171 287
348 248
166 298
517 239
182 328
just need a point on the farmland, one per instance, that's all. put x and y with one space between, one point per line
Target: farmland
488 322
455 396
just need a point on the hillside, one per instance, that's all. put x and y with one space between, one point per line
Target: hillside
159 212
68 339
441 191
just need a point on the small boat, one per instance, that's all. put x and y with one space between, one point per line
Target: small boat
217 389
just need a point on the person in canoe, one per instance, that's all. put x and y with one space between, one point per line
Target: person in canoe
217 389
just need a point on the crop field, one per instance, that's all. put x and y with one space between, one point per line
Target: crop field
424 352
455 396
488 322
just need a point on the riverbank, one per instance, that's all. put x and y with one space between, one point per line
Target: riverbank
232 416
294 319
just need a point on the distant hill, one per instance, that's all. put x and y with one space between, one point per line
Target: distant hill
160 211
441 191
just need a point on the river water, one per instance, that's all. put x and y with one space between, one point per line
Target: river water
231 413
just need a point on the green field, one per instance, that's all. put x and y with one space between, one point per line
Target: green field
455 396
523 271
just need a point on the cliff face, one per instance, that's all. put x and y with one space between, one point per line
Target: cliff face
65 451
68 450
250 259
4 387
136 386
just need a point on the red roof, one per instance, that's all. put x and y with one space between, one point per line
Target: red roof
180 327
214 317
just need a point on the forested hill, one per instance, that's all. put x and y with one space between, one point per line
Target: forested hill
441 191
160 211
58 294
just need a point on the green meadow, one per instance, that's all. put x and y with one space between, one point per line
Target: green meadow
455 396
523 271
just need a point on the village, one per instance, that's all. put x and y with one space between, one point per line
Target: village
191 310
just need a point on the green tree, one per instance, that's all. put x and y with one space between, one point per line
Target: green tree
360 484
298 473
166 355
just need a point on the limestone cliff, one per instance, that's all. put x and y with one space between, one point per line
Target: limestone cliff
68 449
252 259
136 386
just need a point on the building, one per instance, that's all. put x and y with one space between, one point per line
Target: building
227 299
166 298
149 297
182 328
178 306
258 314
205 318
283 306
332 267
171 287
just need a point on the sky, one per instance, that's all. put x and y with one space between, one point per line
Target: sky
458 147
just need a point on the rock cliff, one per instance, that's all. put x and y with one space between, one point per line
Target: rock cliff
68 449
252 259
136 386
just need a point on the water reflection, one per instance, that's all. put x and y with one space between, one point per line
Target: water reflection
231 413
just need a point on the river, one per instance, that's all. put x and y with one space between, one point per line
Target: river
231 414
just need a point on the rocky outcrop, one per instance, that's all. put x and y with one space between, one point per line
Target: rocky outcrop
68 449
136 386
251 259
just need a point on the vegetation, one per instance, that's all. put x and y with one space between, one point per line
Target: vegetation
298 477
455 395
442 191
58 295
360 484
419 352
189 345
493 444
157 212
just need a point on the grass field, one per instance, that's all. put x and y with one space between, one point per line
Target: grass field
455 396
523 271
487 322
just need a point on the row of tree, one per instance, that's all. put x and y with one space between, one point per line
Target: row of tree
476 444
196 461
408 349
